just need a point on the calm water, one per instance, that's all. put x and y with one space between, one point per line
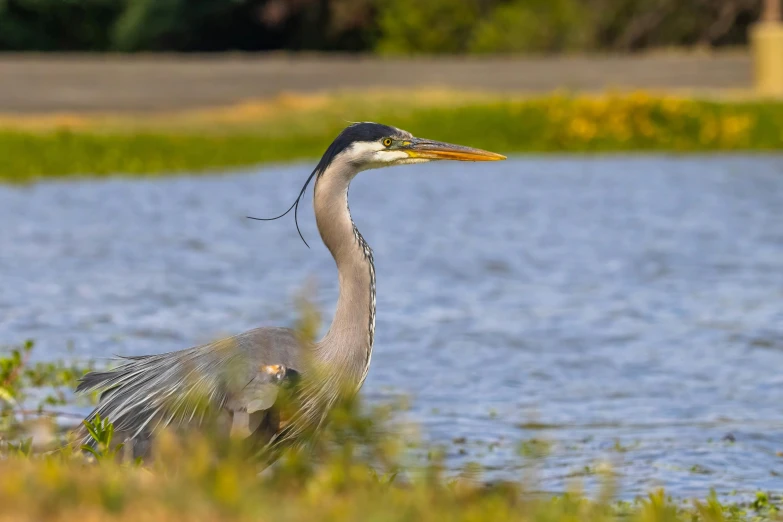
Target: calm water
588 302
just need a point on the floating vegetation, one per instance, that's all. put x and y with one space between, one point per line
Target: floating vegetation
535 448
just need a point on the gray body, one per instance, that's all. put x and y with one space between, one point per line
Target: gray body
236 381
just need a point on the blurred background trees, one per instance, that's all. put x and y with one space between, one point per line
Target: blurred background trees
387 26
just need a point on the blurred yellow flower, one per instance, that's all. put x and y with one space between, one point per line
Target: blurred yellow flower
735 128
639 99
709 130
582 129
671 106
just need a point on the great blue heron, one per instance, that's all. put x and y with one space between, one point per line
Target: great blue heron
240 377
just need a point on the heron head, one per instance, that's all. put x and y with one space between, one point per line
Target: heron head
370 145
367 145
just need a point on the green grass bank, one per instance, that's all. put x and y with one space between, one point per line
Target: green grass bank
300 128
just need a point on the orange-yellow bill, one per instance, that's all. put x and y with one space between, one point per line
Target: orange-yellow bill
437 150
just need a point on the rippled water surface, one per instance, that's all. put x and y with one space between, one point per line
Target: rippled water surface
628 310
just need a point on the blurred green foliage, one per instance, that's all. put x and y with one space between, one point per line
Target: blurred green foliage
435 26
445 26
158 24
554 123
533 26
49 25
391 27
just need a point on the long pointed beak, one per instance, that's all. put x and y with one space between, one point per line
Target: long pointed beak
437 150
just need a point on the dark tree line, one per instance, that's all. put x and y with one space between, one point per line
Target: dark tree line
387 26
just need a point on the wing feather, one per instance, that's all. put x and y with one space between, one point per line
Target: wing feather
238 374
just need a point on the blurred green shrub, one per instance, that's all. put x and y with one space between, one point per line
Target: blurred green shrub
434 26
626 25
156 24
533 26
389 26
57 25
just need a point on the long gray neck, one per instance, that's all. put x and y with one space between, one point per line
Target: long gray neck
347 346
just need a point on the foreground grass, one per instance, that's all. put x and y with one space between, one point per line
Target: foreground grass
189 485
359 469
299 128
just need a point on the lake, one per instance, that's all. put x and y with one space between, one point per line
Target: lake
627 309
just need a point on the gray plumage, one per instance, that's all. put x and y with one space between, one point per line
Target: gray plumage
236 382
148 392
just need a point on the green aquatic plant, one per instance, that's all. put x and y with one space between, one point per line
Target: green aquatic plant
23 448
19 376
30 391
101 431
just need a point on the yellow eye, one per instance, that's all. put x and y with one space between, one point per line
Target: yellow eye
387 142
